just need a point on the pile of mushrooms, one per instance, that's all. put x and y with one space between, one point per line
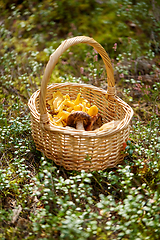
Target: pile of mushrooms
83 121
76 113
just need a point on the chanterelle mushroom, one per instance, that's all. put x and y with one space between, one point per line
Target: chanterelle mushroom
79 120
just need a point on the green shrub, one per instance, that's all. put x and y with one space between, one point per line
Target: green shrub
119 203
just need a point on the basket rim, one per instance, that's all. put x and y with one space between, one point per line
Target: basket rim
123 124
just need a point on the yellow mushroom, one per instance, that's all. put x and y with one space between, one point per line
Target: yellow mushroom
77 107
88 105
53 120
69 104
50 102
58 94
78 99
93 110
67 97
84 106
61 116
70 109
61 106
56 101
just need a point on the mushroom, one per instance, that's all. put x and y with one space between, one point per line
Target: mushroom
61 117
96 122
78 99
56 101
86 116
79 120
78 108
93 110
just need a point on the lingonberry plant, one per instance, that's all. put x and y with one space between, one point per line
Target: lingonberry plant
39 200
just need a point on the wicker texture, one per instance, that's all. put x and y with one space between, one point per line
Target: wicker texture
75 149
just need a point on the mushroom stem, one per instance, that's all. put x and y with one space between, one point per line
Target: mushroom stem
79 125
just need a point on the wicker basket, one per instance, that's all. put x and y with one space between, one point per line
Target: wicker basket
81 150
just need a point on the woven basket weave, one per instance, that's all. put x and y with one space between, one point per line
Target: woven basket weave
77 149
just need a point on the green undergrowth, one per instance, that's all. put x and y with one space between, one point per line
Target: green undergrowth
40 200
121 203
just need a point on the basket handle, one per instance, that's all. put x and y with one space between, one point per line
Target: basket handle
54 59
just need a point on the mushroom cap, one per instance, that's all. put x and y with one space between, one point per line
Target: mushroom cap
96 122
76 116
